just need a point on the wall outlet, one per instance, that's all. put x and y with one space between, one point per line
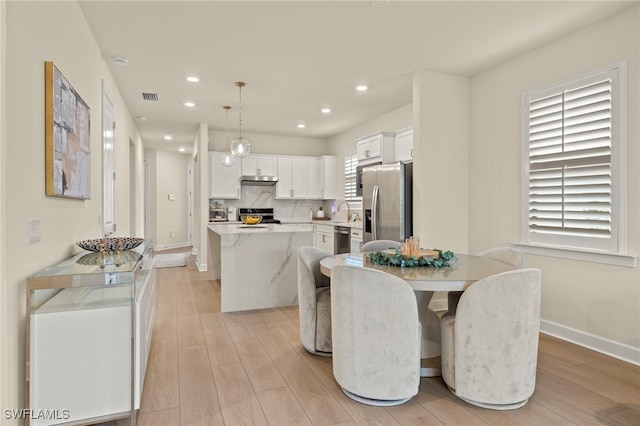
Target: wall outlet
33 231
170 233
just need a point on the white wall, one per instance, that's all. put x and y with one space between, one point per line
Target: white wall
5 385
151 225
271 144
593 304
441 160
201 198
172 219
37 32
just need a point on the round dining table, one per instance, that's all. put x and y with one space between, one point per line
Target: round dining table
463 271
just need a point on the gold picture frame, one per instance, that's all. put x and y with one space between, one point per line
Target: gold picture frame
67 138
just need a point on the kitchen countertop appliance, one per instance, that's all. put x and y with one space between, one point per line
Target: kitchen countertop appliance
265 213
387 201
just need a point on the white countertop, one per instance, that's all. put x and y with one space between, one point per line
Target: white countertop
357 224
239 228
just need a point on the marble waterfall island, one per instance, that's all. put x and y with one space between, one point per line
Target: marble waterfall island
257 265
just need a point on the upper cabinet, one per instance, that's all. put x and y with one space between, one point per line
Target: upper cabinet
292 177
327 178
306 178
313 181
260 165
378 147
404 145
224 182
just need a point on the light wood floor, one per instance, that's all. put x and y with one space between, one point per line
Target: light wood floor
209 368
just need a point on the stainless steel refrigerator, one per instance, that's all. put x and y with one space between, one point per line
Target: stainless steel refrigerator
387 195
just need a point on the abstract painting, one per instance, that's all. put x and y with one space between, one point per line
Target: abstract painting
67 138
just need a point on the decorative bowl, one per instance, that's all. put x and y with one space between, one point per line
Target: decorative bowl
113 244
251 220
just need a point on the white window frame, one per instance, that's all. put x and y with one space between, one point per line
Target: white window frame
615 249
350 166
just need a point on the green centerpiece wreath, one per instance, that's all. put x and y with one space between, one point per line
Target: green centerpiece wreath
396 258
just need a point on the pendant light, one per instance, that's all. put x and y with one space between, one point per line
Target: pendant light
227 158
240 146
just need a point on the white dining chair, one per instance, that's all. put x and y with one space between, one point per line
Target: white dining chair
490 343
314 302
508 255
379 245
376 336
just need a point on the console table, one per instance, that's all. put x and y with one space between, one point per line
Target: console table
88 333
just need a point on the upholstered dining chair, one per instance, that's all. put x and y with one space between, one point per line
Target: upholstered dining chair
378 245
314 302
504 254
376 336
490 344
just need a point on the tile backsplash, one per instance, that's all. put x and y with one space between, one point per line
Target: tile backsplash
285 210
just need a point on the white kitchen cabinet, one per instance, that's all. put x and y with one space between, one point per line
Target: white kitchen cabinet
404 145
293 177
378 147
224 182
260 165
323 238
356 240
327 177
313 178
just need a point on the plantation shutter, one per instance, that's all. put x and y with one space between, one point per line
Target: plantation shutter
570 179
350 164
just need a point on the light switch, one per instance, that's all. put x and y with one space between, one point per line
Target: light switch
172 197
33 231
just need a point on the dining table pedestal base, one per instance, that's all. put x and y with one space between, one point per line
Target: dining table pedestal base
430 345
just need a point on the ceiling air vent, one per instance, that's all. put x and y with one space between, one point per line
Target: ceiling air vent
150 96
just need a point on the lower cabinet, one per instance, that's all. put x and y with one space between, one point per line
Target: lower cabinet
356 240
323 238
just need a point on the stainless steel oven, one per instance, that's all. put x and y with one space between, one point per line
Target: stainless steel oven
341 239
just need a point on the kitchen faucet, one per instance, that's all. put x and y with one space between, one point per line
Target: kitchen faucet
348 209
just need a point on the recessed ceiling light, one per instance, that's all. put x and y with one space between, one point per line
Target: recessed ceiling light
142 118
168 137
301 126
362 88
189 104
193 79
119 60
181 149
325 110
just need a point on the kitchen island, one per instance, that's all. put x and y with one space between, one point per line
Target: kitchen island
256 264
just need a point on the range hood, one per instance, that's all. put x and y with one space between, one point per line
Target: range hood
258 180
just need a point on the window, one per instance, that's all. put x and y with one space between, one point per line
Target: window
350 165
573 158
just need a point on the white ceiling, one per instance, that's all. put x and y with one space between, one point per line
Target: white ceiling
299 56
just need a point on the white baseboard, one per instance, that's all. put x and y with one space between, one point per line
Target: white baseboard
171 246
202 267
608 347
